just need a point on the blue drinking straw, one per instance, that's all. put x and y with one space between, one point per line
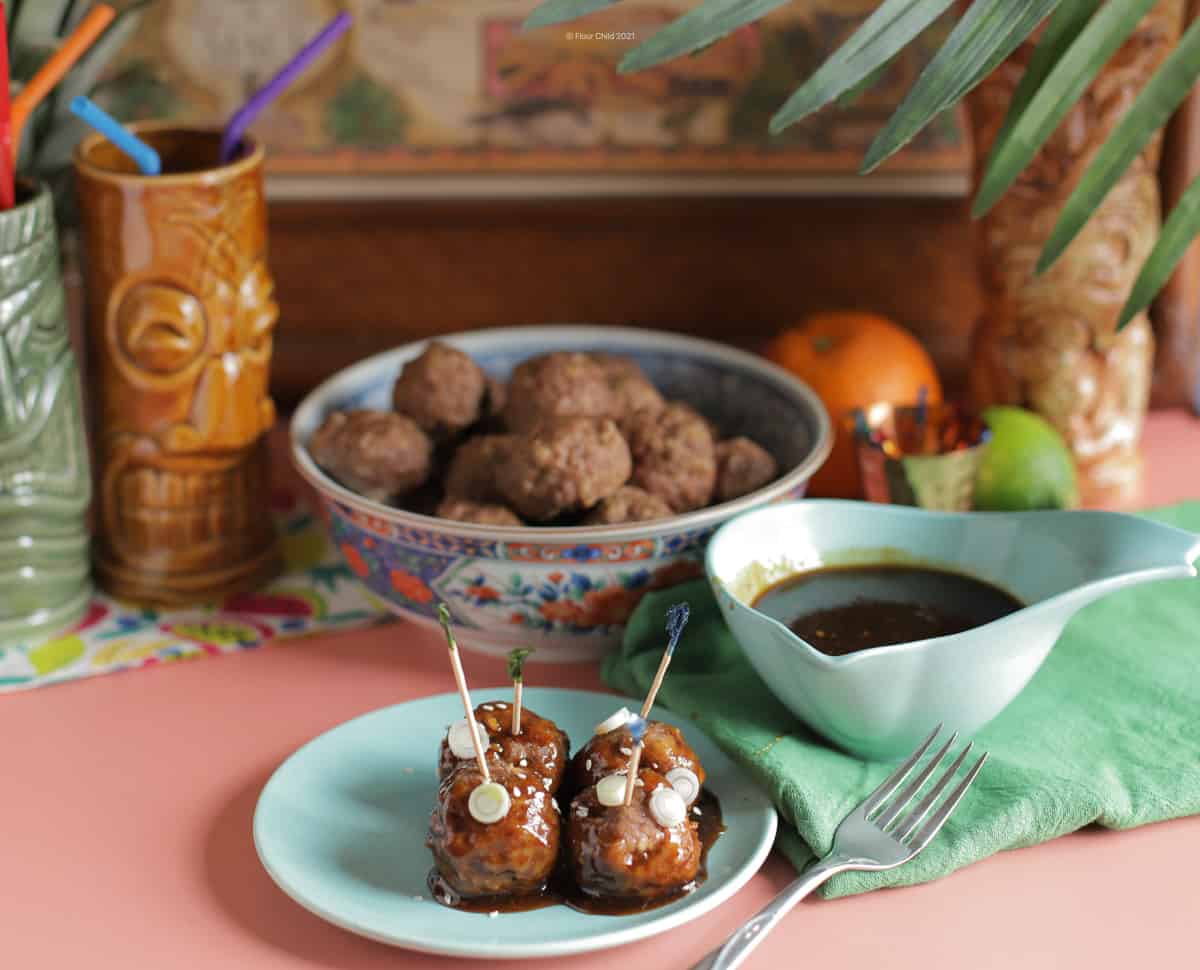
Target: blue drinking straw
145 157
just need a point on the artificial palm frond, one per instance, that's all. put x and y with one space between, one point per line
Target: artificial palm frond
1080 37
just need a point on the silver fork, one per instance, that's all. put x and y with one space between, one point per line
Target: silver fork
877 835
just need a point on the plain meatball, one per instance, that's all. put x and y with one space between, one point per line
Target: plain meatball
557 385
472 471
566 465
742 467
628 504
663 749
514 855
623 852
379 454
481 513
443 390
540 748
674 456
631 388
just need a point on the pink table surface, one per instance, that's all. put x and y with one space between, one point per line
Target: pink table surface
126 804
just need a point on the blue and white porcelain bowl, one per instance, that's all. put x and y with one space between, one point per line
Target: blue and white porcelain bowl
564 591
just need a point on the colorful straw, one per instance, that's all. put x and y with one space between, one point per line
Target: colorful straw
53 71
231 140
8 190
145 157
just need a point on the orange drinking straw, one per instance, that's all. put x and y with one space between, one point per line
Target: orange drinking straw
61 61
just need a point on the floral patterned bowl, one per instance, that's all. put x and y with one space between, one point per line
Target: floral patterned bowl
564 591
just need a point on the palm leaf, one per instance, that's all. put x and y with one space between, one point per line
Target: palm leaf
848 98
698 28
877 40
987 33
1064 86
1155 103
1177 234
560 11
41 19
1064 25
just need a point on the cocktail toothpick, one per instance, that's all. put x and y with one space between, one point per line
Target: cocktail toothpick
516 663
637 728
677 617
443 612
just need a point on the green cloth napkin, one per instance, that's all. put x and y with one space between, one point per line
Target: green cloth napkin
1108 730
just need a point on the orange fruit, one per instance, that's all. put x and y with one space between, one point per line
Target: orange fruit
851 360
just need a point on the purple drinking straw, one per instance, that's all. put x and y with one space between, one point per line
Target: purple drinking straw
231 139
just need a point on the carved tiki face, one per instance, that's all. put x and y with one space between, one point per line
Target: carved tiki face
182 318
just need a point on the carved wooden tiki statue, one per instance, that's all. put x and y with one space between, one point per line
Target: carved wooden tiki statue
181 317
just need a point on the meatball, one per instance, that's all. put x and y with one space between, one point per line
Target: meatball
631 388
663 750
472 471
624 852
673 456
443 390
628 504
541 748
514 855
566 465
742 467
379 454
481 513
557 385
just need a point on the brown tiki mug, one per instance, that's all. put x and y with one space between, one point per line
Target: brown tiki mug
181 315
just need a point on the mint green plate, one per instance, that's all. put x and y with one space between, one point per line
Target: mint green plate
341 826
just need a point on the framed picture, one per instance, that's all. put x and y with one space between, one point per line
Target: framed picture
452 98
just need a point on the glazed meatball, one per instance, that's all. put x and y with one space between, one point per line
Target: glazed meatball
742 467
566 465
443 390
481 513
514 855
472 471
541 747
379 454
628 504
631 388
663 750
673 456
558 385
624 852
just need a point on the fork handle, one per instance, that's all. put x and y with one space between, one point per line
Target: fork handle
744 939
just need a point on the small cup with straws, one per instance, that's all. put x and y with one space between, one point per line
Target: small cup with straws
927 455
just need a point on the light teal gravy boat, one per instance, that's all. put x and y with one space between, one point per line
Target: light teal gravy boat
880 703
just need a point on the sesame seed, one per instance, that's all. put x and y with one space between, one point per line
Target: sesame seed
581 811
524 762
500 706
493 914
418 898
696 810
639 781
488 707
516 792
588 766
626 751
546 782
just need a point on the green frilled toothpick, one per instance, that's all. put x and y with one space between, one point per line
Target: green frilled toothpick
516 664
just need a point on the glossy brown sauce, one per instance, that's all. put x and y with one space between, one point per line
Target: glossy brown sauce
845 609
561 889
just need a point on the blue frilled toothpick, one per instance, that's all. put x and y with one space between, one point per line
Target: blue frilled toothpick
677 617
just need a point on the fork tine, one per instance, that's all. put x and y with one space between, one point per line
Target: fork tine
934 825
913 820
910 792
896 778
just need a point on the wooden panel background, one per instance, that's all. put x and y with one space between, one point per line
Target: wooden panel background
356 278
